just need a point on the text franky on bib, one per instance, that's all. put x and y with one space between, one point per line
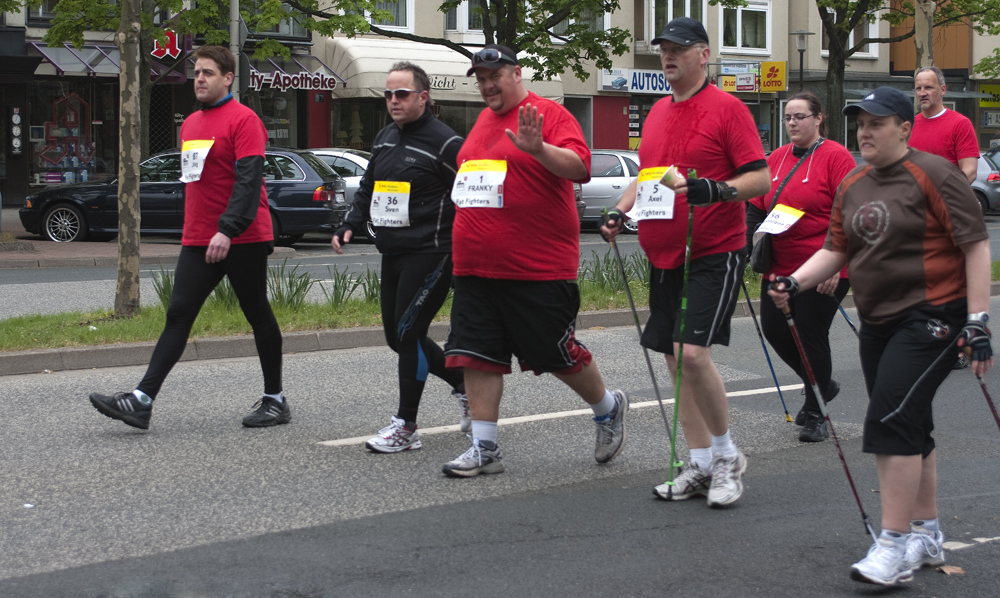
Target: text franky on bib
479 184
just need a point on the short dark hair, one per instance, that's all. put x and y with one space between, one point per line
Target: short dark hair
815 106
221 55
420 78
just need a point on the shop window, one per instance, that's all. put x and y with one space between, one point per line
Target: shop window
595 21
354 123
401 10
665 11
46 10
287 28
861 31
747 29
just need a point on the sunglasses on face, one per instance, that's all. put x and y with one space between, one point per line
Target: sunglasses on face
490 55
401 94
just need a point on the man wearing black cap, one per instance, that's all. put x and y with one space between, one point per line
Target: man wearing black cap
912 233
516 294
703 144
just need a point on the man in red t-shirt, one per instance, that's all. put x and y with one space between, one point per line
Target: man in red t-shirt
939 131
699 129
517 294
227 232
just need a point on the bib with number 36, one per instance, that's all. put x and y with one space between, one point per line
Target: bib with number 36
193 154
653 199
479 184
390 204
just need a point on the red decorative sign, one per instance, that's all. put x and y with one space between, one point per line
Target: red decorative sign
170 48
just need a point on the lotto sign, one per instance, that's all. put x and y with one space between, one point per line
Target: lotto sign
774 76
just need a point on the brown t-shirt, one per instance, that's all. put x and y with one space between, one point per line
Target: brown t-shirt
901 227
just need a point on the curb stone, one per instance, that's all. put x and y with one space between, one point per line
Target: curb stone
105 356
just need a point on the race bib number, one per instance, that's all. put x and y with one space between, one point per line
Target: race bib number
390 204
653 199
780 219
193 154
479 184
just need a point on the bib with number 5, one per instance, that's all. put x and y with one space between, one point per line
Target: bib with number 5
193 154
653 199
479 184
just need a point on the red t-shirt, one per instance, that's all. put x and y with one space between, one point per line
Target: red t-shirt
536 234
238 133
811 189
713 133
949 135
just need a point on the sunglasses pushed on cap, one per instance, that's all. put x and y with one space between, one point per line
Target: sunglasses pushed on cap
492 58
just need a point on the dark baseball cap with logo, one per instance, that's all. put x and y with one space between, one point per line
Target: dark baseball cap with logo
884 101
684 31
492 57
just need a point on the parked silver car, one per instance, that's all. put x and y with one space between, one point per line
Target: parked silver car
987 183
611 171
350 164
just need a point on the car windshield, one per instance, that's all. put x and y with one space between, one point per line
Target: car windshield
322 168
993 157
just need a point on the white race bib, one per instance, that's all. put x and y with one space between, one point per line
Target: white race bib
193 154
479 184
653 199
390 204
780 219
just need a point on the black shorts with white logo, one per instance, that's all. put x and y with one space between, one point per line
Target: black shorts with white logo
493 319
713 291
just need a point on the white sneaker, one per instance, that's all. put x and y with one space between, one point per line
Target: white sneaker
465 420
924 549
693 481
394 438
473 462
885 565
611 431
727 479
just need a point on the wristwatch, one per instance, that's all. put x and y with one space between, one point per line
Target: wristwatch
726 192
979 317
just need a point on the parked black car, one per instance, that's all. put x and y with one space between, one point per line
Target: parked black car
304 193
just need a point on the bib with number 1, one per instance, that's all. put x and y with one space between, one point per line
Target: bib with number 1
193 154
653 199
479 184
390 204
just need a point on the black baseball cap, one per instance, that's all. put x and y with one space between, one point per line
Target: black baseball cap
492 57
884 101
684 31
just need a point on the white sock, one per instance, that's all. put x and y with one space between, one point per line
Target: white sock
897 538
276 397
484 431
604 408
723 445
139 395
701 458
925 526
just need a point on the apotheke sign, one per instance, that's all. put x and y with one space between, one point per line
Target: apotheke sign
284 81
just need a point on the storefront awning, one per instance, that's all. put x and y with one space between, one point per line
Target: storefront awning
91 60
364 62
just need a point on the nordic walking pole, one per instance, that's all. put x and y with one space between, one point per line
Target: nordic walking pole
763 345
822 407
846 317
982 386
638 328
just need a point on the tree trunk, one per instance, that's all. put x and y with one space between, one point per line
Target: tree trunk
923 38
129 151
835 96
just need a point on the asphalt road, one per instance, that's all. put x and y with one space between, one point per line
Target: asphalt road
54 290
200 507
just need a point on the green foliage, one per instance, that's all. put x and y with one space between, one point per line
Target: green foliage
342 286
371 285
286 287
163 284
224 296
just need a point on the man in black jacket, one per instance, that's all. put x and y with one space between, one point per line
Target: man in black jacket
406 193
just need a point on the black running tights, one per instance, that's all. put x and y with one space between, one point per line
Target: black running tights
813 313
414 287
194 281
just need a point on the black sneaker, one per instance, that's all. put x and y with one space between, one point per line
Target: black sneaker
961 363
268 412
815 429
831 393
124 406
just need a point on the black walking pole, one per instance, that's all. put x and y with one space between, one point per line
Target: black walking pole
766 354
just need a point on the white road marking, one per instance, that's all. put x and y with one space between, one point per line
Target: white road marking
553 415
950 546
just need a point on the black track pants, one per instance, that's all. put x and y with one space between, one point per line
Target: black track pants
194 281
414 287
813 313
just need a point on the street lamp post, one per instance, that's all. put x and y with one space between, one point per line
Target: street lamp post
800 44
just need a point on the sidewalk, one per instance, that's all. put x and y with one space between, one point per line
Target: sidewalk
31 251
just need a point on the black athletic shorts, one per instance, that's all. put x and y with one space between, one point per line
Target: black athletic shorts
893 357
713 291
492 319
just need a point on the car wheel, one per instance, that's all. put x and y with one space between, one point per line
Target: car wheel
370 230
281 239
631 225
64 223
984 203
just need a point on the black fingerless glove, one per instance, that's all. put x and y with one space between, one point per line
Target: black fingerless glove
976 336
705 192
791 286
340 232
612 218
